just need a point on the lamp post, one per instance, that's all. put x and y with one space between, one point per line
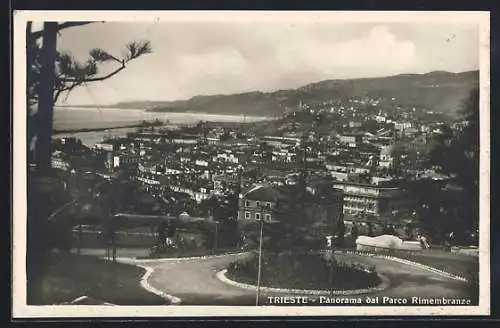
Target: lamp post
216 241
113 243
78 250
260 262
330 251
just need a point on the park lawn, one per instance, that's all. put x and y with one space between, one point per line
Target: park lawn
71 276
197 252
457 264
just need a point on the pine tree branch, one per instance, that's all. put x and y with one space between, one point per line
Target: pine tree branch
67 88
73 74
95 79
39 34
72 24
135 50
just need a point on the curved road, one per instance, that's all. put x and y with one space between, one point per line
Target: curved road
195 282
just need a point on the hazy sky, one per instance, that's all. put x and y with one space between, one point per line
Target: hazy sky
220 58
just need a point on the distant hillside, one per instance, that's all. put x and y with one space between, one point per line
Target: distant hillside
251 103
438 91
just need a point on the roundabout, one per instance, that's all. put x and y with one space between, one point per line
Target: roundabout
222 276
196 281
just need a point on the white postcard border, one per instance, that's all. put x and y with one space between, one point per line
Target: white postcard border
22 310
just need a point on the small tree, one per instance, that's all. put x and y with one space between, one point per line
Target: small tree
340 231
294 232
354 232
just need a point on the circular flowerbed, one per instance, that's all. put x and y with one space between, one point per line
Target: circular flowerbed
303 271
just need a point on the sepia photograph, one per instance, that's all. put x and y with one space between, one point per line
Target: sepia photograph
250 163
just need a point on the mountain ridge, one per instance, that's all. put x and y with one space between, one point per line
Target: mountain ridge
437 90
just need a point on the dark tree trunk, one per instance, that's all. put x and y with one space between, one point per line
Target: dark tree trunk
30 58
40 125
44 115
36 248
